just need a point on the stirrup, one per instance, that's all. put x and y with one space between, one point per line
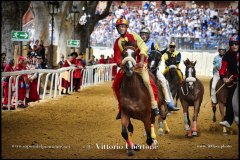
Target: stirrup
156 111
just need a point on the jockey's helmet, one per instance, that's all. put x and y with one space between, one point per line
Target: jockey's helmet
222 47
121 21
234 38
172 45
145 30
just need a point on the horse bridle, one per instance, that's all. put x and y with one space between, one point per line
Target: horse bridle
190 81
154 61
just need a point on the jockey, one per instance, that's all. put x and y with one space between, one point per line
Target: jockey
230 63
172 57
145 35
216 66
122 26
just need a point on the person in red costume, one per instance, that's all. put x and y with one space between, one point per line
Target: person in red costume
22 82
65 82
141 59
8 68
229 67
102 60
77 74
114 69
33 80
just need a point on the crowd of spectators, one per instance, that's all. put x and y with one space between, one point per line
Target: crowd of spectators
192 28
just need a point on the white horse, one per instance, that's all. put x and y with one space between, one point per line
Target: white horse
235 103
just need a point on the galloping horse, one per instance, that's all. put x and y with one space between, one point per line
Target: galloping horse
135 101
221 97
191 94
173 80
154 60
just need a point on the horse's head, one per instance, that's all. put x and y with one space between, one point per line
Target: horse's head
173 73
190 72
154 59
128 58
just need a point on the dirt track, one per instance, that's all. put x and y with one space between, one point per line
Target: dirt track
84 124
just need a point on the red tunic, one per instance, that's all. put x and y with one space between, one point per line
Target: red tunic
21 83
65 83
5 84
77 72
101 61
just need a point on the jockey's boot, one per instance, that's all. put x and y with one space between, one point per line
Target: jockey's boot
118 116
172 107
156 111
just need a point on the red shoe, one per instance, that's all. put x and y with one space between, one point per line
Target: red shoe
12 108
4 107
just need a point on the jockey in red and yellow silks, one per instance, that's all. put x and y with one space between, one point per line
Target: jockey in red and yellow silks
141 59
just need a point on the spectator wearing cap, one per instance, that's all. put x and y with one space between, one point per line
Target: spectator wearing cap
5 84
22 82
77 74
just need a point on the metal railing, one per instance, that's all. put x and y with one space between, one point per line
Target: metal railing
91 75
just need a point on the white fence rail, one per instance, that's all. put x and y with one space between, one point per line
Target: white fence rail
91 75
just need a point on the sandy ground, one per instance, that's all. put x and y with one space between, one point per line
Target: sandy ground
83 125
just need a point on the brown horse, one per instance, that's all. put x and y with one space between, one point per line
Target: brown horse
135 101
221 96
191 94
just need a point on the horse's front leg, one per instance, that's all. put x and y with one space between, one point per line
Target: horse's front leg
130 129
125 122
186 119
214 108
147 125
221 108
196 111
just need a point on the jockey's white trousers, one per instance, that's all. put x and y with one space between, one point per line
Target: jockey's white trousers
216 77
165 86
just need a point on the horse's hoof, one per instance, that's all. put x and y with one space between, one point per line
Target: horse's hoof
130 152
194 133
154 144
160 132
167 131
188 134
225 133
136 147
